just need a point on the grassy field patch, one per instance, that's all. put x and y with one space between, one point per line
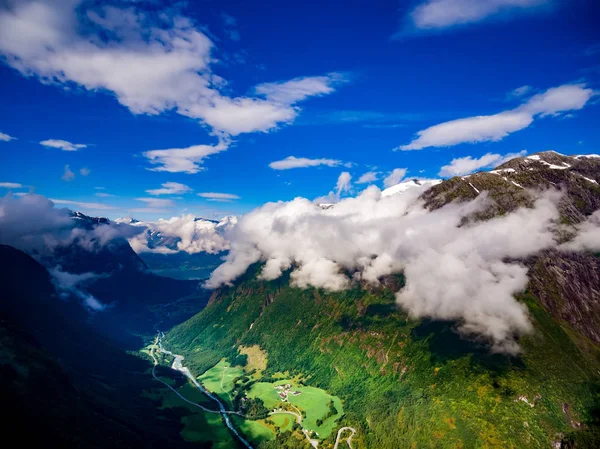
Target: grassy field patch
219 380
255 431
257 358
313 401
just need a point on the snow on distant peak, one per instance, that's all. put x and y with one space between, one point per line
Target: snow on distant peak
413 183
587 155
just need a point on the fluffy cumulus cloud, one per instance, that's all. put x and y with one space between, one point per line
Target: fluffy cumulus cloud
152 61
469 164
185 233
453 271
302 162
170 188
344 183
441 14
62 145
395 177
491 128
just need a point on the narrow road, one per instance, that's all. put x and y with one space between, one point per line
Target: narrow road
339 434
178 366
314 443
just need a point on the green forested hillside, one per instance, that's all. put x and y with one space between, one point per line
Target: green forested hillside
405 383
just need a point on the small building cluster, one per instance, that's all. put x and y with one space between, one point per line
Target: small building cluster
284 391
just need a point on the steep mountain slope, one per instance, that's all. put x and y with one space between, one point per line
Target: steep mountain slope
418 383
62 380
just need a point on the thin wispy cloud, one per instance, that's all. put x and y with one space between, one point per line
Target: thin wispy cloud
492 128
230 26
170 188
11 185
5 137
62 145
183 160
84 171
82 204
395 177
437 15
68 174
368 177
302 162
154 205
519 92
469 164
103 195
219 197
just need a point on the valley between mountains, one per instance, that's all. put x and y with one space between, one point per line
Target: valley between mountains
372 355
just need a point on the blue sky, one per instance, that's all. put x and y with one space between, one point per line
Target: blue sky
344 86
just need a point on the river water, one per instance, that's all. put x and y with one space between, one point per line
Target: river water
178 366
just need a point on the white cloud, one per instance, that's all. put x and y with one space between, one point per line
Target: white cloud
465 165
83 204
68 283
486 128
395 177
170 188
152 62
33 224
62 145
519 92
222 197
84 171
185 233
588 235
344 183
298 89
231 30
5 137
11 185
368 177
183 160
154 204
68 175
452 270
440 14
103 195
302 162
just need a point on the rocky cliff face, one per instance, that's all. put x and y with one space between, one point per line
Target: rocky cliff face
515 184
568 284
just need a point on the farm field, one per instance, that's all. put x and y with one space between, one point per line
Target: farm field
219 380
313 401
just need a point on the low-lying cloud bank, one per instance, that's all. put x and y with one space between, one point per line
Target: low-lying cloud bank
467 273
185 233
33 224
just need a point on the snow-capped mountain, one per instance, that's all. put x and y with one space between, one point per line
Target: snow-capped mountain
412 184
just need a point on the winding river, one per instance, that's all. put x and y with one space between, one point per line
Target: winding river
178 366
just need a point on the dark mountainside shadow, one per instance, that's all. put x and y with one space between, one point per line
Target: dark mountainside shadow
445 343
